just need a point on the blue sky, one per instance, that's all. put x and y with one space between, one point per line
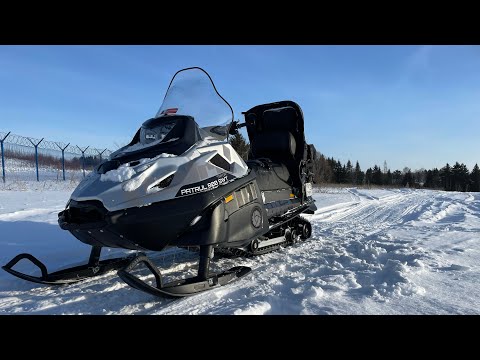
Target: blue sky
415 106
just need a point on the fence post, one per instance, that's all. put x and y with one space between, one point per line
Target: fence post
36 153
83 156
3 157
100 153
63 158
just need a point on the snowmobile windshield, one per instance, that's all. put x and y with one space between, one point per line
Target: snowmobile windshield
192 93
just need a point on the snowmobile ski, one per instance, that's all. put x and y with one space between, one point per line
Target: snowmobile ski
180 288
95 267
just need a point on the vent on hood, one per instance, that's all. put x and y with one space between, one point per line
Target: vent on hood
165 182
219 161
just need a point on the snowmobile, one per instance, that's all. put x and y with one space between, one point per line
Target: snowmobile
179 183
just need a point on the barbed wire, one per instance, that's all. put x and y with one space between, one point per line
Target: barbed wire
19 140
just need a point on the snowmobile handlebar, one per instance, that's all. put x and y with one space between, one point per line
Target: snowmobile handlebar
235 126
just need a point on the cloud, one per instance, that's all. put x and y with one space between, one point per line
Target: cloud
420 59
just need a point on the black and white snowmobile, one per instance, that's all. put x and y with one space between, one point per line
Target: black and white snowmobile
179 183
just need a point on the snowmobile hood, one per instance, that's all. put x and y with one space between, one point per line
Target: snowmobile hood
145 181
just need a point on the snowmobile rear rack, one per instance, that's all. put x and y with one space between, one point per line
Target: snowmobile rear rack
70 275
190 286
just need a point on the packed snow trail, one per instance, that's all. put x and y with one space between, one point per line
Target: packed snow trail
371 252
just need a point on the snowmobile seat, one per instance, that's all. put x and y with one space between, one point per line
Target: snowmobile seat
270 176
276 145
276 132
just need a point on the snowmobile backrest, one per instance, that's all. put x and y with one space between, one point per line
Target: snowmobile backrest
284 118
276 145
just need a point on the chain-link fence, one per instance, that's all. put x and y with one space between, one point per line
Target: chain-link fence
28 158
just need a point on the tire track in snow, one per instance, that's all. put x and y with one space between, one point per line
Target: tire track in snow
360 245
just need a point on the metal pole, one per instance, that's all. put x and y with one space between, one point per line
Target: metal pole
3 157
83 157
63 158
36 160
100 154
36 154
63 164
3 163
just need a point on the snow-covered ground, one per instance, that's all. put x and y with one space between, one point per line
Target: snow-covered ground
372 252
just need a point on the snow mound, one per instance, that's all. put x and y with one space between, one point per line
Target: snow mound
122 173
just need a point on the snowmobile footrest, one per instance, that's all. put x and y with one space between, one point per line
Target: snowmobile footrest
65 276
180 288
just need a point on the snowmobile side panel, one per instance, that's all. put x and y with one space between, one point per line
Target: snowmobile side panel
156 226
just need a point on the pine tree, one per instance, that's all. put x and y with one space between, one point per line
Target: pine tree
388 178
397 177
368 177
377 175
446 177
240 145
460 177
475 178
429 180
358 174
349 173
464 177
408 179
432 179
337 171
437 181
322 170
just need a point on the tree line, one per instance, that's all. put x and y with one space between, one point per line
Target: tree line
330 171
449 178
